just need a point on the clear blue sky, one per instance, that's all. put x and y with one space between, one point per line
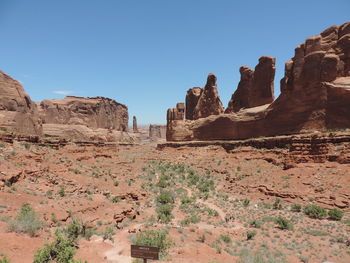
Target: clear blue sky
147 53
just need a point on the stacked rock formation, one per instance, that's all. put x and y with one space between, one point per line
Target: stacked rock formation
255 88
209 102
176 114
17 111
315 95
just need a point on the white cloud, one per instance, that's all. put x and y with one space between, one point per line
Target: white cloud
63 92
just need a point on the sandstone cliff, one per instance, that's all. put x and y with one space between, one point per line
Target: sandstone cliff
17 111
78 118
315 95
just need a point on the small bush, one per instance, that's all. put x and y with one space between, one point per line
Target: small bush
26 221
277 204
108 234
165 197
226 239
255 223
115 199
116 183
163 181
4 259
296 208
153 238
164 213
335 214
315 211
202 238
283 223
245 202
61 250
189 220
250 234
62 192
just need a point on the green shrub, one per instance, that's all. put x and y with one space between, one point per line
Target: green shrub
116 183
62 192
187 200
154 238
4 259
315 211
205 185
245 202
335 214
115 199
164 181
26 221
189 220
226 239
283 223
165 197
61 250
164 213
250 234
202 238
296 208
255 223
108 234
277 204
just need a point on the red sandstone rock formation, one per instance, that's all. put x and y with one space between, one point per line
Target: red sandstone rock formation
240 99
175 114
315 95
256 88
192 98
134 124
92 119
209 102
17 111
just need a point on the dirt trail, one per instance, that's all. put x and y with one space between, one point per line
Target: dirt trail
120 253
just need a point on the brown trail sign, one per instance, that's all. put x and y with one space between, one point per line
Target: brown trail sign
145 252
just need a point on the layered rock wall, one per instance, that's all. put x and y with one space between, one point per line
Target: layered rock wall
97 118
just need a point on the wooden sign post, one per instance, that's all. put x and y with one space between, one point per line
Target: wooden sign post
145 252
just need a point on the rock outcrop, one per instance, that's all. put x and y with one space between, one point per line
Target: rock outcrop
209 102
315 95
134 124
17 111
192 98
255 88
